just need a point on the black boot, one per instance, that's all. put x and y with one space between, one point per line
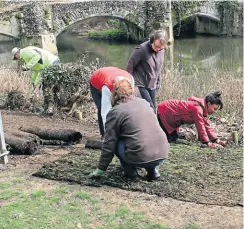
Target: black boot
152 174
130 172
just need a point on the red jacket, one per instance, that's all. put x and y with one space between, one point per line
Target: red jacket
174 113
106 76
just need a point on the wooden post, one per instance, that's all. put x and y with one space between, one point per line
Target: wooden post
3 151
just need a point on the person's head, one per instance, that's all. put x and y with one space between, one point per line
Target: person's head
123 91
16 53
159 40
214 102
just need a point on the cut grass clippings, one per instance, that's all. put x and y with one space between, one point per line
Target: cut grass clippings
191 173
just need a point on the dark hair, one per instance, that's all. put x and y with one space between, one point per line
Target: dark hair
214 98
161 35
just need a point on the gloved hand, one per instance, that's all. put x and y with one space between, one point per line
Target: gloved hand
214 145
24 68
96 173
220 142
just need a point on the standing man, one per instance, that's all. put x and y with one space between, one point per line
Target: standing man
146 64
37 59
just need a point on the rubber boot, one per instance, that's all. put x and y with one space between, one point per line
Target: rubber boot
152 174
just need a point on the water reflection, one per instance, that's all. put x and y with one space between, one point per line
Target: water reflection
209 52
204 52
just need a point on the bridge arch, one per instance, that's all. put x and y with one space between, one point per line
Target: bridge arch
198 23
137 30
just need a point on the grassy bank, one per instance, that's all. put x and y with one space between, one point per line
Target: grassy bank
111 34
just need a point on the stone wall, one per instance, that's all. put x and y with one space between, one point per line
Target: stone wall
64 15
231 17
9 24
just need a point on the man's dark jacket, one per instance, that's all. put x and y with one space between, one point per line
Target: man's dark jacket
146 65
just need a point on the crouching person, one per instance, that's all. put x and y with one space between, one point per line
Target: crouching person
174 113
132 134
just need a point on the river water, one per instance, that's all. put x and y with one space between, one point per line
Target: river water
204 52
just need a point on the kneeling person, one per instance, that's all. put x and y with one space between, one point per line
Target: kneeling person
132 134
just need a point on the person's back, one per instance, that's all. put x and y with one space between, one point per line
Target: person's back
29 52
144 139
106 76
132 134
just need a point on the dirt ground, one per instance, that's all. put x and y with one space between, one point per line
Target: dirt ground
176 214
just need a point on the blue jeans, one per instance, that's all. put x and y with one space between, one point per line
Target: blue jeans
130 168
149 95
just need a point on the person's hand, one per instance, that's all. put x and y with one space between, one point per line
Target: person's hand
220 142
214 145
24 68
96 173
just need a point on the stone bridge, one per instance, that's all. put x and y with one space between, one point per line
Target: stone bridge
40 23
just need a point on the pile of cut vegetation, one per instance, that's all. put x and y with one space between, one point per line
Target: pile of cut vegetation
191 173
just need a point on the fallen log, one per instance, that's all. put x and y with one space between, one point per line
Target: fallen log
65 135
18 145
93 144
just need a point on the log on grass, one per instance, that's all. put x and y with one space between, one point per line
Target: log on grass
93 144
66 135
20 145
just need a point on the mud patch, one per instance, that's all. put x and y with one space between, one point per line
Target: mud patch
191 173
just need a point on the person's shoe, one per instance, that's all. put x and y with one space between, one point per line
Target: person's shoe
134 178
152 174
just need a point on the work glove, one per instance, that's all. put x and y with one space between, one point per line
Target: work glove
220 142
214 145
96 173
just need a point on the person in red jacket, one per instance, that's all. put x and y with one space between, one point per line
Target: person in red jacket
101 85
174 113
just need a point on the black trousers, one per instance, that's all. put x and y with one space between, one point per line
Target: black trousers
97 98
171 137
149 96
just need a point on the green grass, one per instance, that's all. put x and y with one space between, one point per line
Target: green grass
64 207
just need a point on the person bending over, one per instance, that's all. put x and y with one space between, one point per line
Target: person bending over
133 134
101 86
36 60
174 113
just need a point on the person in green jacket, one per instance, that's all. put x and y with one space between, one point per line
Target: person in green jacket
37 59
